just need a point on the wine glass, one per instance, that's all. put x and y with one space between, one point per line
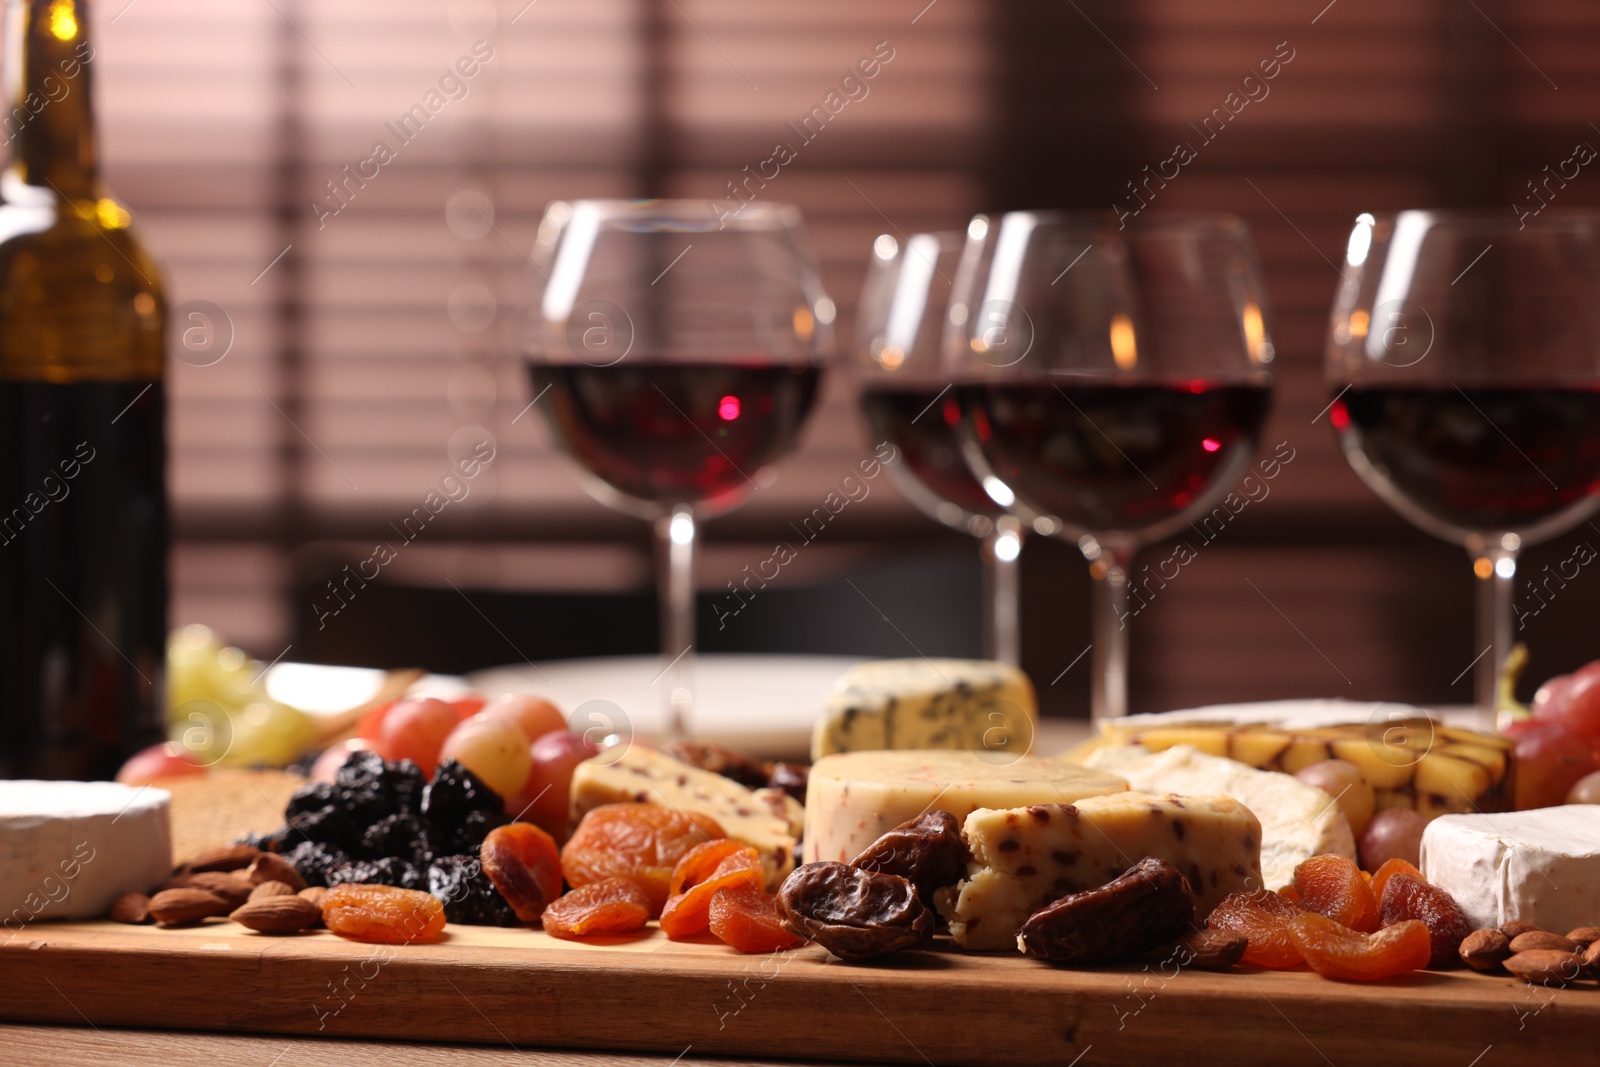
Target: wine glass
909 401
1464 359
675 351
1115 379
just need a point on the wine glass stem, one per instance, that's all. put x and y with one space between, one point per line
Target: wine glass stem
1495 568
676 534
1108 699
1002 552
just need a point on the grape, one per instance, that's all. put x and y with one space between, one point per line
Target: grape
1551 697
493 748
546 798
1550 760
1342 780
415 729
469 705
166 760
1393 833
1587 791
1580 710
264 731
536 716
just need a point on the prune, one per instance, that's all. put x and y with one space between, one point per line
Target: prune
376 787
469 897
313 796
330 825
280 840
1406 896
316 861
791 778
386 871
459 810
382 913
396 835
854 914
926 851
1148 905
748 772
609 906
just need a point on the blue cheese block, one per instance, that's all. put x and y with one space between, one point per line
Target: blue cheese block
973 705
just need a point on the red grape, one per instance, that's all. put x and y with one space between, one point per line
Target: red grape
535 715
415 729
1587 791
469 705
1551 697
1580 711
166 760
1393 833
371 724
546 799
1550 760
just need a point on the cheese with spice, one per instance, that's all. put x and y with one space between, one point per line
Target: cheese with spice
768 820
1024 858
976 705
854 798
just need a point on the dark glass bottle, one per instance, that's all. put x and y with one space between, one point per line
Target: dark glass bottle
83 512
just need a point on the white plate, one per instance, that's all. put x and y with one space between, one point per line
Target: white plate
763 705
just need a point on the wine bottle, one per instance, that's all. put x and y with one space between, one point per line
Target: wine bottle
83 513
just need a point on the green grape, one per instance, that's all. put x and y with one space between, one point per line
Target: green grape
267 732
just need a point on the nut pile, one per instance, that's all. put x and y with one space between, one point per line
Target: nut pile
1537 956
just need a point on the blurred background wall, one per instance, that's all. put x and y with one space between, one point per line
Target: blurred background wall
341 338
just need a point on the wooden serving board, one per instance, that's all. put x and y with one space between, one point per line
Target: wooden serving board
937 1006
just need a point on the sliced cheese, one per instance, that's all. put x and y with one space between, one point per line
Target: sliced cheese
976 705
768 820
1024 858
854 798
1540 867
1298 821
68 849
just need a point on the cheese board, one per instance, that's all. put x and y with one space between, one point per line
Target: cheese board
645 993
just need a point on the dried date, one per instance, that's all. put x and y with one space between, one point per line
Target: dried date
1150 904
855 914
926 851
747 771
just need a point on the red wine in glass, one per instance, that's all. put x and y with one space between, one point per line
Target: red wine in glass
924 424
1109 458
1478 458
668 433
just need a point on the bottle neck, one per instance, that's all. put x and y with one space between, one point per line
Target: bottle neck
49 122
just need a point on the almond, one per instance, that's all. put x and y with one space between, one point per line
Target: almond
314 894
177 907
271 867
231 886
1584 936
1516 928
270 889
227 858
133 908
1545 966
1485 950
1541 939
277 915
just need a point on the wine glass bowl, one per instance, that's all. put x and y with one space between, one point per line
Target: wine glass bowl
1464 361
1117 380
675 352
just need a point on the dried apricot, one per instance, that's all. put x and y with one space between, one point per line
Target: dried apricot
638 841
747 919
382 913
1263 917
1332 885
525 866
689 912
1390 868
609 906
1406 897
1336 951
1289 893
700 862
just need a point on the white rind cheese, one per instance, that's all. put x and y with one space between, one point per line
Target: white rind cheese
1024 858
1298 821
768 820
1540 867
976 705
1280 714
854 798
68 849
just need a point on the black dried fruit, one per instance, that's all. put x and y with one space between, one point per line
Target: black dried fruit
462 885
791 778
853 913
370 788
400 836
330 825
748 772
387 871
1148 905
313 796
926 851
459 810
280 840
316 861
